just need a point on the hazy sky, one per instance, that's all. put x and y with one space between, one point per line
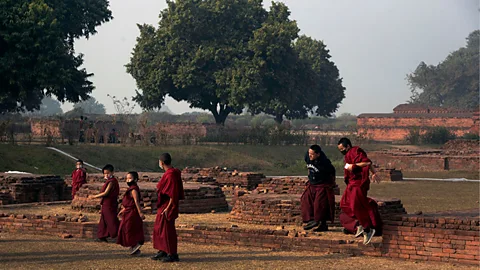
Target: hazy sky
374 44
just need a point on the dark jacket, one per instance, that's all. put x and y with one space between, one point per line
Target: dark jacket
320 170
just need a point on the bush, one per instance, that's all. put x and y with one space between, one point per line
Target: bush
413 136
437 135
471 136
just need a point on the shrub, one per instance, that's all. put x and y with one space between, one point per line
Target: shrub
413 136
437 135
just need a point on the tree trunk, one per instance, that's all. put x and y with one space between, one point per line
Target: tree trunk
279 119
221 115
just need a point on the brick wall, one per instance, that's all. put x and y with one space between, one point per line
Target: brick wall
424 162
284 209
396 128
199 198
27 188
452 237
447 237
286 185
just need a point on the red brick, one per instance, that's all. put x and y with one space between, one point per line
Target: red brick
463 256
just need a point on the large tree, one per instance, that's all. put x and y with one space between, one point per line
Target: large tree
90 106
49 107
37 57
452 83
225 55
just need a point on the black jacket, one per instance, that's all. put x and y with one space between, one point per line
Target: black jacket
320 170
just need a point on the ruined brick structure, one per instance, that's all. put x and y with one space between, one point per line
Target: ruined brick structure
79 130
284 209
452 237
456 155
27 188
199 198
391 127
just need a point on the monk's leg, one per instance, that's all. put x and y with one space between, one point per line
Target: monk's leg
361 208
321 208
102 232
307 208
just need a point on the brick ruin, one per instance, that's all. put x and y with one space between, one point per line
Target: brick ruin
28 188
284 209
446 236
394 127
199 198
449 237
456 155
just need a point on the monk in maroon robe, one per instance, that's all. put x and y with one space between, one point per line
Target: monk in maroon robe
130 233
108 225
170 192
318 199
79 177
358 211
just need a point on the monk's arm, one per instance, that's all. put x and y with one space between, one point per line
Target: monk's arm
105 193
137 202
168 206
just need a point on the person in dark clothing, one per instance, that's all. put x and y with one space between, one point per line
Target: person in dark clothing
318 199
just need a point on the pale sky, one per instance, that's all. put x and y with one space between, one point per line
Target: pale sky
374 44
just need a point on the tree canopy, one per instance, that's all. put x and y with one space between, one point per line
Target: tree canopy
48 107
37 57
452 83
225 55
90 106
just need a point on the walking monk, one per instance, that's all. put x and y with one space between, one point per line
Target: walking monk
108 225
359 213
79 177
130 233
170 192
318 199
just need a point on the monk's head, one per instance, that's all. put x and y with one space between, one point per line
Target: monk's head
107 171
79 164
165 161
344 145
132 178
314 152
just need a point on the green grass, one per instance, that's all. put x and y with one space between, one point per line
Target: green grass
33 159
427 196
270 160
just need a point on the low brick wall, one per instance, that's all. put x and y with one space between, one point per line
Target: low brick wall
249 180
27 188
199 198
390 175
425 162
286 185
284 209
262 238
447 237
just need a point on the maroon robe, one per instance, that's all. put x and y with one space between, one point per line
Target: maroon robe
79 177
164 233
355 204
130 232
318 202
108 225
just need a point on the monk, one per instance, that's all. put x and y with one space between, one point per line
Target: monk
108 225
359 213
130 233
170 192
79 177
318 199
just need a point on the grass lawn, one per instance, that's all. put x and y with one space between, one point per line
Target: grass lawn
270 160
50 252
